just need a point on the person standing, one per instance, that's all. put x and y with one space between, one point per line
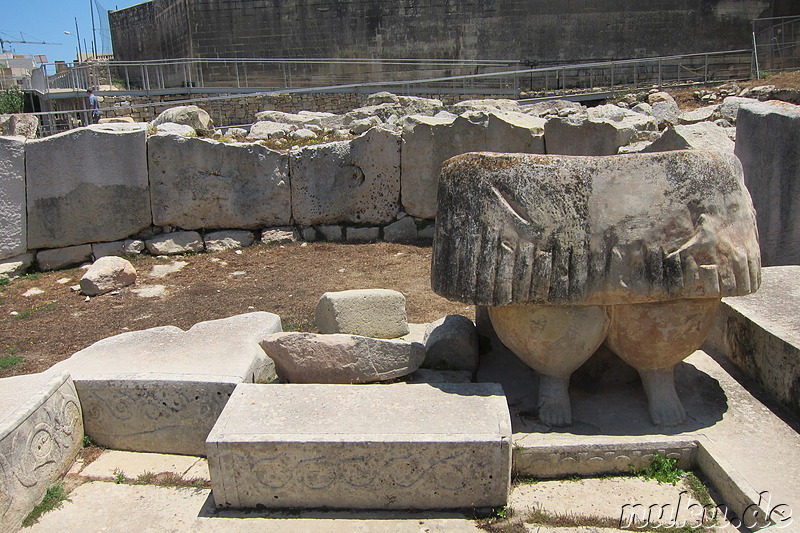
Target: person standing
94 105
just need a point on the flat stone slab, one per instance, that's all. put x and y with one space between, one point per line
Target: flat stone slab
760 333
362 447
41 432
99 506
134 464
161 389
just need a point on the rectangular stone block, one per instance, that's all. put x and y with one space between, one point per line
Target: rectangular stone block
760 333
768 145
362 447
201 183
87 185
41 432
161 389
13 230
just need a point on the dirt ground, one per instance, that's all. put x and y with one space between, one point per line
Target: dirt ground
42 329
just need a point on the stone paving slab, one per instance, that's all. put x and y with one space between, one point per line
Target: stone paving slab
134 464
100 506
409 446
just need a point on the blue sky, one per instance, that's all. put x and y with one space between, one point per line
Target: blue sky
47 20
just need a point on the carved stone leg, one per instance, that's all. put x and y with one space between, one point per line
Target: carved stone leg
554 341
653 338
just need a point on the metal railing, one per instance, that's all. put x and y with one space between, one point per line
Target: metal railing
194 76
776 42
429 76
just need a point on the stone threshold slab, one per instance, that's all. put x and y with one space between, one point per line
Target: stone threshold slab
423 446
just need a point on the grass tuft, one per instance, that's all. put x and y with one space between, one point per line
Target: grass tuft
53 499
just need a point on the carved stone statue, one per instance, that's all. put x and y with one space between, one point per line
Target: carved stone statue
568 252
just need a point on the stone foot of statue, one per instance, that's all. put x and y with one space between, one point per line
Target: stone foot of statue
665 407
653 338
554 405
553 340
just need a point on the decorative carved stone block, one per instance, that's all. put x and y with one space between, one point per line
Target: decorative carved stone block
362 446
41 432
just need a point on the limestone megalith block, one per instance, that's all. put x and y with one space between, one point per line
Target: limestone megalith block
201 183
355 181
340 358
377 313
13 223
87 185
160 390
768 144
429 141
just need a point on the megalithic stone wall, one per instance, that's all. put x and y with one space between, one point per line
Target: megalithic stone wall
768 144
200 183
13 238
87 185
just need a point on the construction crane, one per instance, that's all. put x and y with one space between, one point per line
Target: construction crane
4 41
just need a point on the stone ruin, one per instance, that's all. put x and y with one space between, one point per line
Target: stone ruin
634 251
569 252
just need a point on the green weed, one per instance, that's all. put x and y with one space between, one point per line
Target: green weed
53 499
12 100
662 469
8 362
119 476
171 479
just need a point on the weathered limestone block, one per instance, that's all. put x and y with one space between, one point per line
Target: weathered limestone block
331 233
768 144
371 234
760 333
701 136
567 252
219 241
107 274
105 249
41 433
161 389
86 185
579 135
13 228
377 313
451 343
404 230
429 141
16 266
19 124
176 129
264 129
189 115
280 235
64 257
340 358
362 447
179 242
354 181
702 114
729 109
485 104
201 183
